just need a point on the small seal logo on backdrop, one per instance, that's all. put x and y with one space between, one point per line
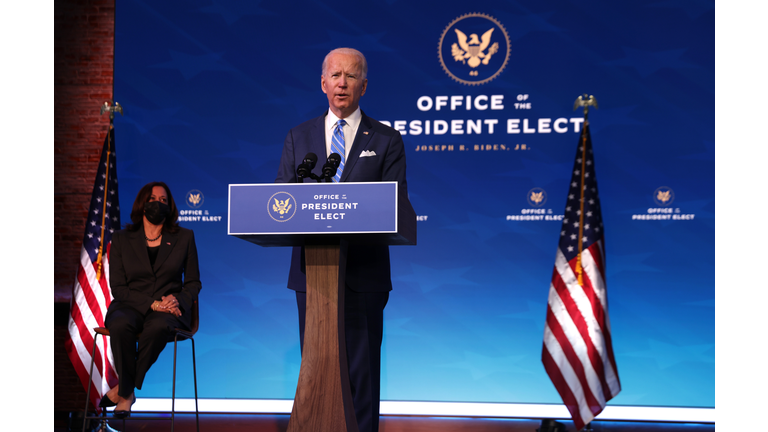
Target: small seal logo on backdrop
195 199
474 49
664 196
537 197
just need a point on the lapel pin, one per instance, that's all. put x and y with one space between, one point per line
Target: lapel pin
365 132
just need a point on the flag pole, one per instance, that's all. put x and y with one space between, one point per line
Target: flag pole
586 379
583 101
107 107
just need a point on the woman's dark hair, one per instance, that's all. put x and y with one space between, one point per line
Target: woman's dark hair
171 223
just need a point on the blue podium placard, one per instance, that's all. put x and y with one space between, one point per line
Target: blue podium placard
283 214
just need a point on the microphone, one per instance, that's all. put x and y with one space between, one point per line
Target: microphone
310 159
331 166
305 168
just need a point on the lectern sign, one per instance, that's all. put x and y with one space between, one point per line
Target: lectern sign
313 208
325 219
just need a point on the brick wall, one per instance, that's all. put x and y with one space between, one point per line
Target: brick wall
83 61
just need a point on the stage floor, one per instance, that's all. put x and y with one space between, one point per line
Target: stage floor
279 423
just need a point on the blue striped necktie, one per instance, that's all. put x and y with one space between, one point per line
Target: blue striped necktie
337 146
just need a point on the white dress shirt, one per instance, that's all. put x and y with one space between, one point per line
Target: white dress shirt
350 131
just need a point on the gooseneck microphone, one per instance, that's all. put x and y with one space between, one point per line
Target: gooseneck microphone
304 169
331 166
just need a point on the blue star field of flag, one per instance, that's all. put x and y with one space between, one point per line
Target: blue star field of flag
104 191
592 229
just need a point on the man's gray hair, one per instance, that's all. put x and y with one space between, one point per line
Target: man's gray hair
351 51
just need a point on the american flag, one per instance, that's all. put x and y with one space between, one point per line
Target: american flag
577 352
91 293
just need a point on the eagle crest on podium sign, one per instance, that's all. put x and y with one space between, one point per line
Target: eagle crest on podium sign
281 210
282 206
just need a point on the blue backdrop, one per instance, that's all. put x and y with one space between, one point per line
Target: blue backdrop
210 89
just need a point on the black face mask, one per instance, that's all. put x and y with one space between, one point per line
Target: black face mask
156 211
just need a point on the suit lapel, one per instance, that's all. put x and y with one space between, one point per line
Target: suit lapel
318 144
139 244
362 138
167 243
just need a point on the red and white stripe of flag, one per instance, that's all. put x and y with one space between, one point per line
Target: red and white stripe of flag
90 299
578 354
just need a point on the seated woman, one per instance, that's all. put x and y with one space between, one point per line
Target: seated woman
146 264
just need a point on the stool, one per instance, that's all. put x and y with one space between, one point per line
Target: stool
179 335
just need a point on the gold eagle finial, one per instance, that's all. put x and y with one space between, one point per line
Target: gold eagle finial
585 101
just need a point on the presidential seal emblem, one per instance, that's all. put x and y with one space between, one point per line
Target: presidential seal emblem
474 49
537 197
663 196
195 199
281 206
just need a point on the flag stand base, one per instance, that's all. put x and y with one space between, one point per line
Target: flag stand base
549 425
91 425
104 427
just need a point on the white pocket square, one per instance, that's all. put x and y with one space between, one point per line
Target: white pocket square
367 153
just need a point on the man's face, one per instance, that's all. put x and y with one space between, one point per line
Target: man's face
343 83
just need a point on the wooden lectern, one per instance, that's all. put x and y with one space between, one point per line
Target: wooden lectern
324 218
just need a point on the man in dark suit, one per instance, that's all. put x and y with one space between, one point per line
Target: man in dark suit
370 152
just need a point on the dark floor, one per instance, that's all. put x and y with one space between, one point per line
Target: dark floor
279 423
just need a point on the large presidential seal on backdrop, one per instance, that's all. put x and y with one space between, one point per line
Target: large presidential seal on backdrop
474 49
